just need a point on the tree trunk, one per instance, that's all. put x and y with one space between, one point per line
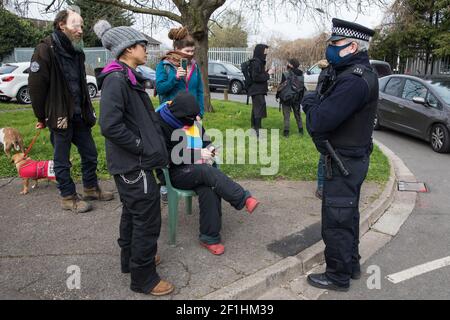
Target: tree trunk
196 20
202 59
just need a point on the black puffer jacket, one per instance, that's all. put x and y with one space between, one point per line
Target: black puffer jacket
260 77
129 123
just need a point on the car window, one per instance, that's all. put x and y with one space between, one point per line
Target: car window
315 70
414 89
394 86
442 89
7 68
432 101
231 68
211 68
382 70
382 83
219 68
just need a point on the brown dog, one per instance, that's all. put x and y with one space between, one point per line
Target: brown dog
11 139
29 169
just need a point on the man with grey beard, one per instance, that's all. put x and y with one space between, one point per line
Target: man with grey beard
61 101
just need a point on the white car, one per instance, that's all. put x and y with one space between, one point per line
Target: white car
14 82
311 76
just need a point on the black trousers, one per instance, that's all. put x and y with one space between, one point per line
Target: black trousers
140 226
340 219
259 110
287 115
211 185
80 135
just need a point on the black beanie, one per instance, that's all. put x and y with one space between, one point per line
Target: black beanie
184 107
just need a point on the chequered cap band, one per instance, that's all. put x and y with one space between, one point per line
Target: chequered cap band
349 33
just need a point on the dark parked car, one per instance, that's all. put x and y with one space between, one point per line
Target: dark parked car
149 75
223 75
417 107
382 68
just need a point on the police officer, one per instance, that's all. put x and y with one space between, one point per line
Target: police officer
340 120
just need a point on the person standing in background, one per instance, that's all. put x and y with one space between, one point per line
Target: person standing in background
259 86
61 102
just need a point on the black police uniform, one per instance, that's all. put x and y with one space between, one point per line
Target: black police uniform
343 113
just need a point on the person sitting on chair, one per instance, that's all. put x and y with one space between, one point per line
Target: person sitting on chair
191 168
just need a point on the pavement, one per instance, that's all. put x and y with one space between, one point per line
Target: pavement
39 243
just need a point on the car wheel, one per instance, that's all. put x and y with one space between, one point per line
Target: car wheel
236 87
376 123
92 89
23 96
5 99
440 138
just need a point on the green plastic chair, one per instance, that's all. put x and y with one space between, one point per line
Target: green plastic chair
174 195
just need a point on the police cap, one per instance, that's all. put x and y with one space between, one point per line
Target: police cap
345 29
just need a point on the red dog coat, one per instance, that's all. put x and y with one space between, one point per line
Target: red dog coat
37 170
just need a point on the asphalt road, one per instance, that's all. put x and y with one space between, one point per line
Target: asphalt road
424 237
270 99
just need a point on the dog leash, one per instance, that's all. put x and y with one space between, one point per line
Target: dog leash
32 142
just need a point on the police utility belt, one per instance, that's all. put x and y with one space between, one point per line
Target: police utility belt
332 156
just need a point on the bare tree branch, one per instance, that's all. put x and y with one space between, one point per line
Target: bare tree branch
145 10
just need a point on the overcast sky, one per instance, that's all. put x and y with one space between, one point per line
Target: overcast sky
282 26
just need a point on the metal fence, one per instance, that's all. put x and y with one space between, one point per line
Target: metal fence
99 57
418 64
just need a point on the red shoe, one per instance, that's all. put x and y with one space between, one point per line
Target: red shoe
251 204
216 249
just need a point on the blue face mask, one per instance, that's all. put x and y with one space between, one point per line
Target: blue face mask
332 53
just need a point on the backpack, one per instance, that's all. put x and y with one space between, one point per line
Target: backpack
291 90
246 70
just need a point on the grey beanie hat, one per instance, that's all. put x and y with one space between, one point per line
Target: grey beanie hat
117 39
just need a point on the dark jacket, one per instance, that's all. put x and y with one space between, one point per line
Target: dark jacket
193 155
259 75
128 122
298 73
350 103
51 97
71 65
184 108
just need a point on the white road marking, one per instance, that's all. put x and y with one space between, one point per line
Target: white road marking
418 270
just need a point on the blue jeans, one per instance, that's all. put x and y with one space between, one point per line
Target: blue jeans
320 172
80 135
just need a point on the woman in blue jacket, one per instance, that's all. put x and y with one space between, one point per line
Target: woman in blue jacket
171 78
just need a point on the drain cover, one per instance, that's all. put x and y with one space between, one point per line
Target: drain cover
412 186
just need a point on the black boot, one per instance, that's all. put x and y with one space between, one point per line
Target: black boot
300 131
286 133
320 280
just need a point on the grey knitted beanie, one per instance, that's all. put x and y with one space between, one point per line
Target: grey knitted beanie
117 39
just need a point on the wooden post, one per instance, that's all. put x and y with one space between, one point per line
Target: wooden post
225 94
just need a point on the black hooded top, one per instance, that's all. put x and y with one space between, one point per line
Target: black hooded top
185 108
259 74
259 52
